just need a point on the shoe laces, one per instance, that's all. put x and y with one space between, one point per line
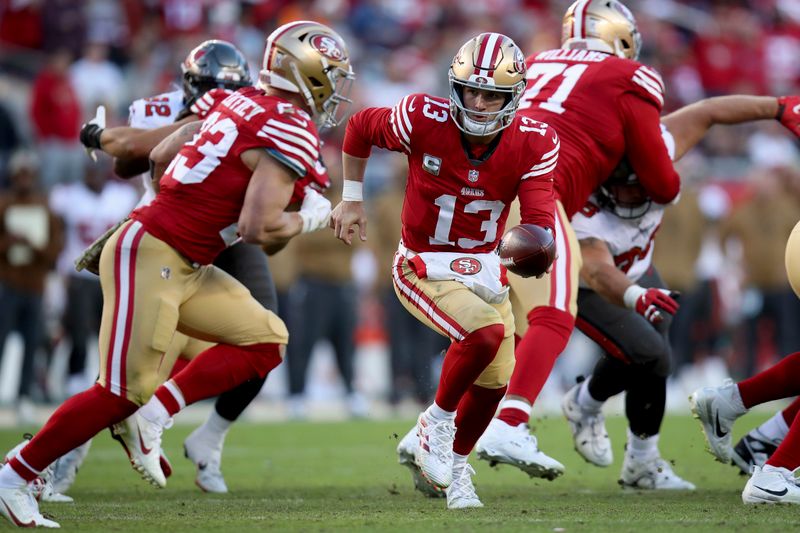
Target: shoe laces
462 486
440 435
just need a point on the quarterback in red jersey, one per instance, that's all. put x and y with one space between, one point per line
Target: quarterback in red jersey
238 170
605 106
469 157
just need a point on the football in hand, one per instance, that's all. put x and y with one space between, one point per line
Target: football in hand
527 250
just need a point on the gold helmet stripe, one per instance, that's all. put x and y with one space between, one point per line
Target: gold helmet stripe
490 47
579 19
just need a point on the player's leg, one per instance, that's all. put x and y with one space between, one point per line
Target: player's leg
477 330
139 316
717 408
341 335
248 264
249 345
307 321
544 311
761 442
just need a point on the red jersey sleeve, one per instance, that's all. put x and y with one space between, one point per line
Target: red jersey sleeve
389 128
536 197
646 82
645 149
203 105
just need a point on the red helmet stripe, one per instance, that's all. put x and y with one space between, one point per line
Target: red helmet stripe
274 36
484 38
579 19
490 48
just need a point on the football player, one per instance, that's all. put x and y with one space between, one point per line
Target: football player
469 156
603 104
235 177
624 307
210 72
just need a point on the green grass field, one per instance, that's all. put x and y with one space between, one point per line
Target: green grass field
344 476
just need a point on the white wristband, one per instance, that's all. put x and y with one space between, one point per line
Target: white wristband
633 293
353 191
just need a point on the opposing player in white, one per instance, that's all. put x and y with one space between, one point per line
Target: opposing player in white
616 232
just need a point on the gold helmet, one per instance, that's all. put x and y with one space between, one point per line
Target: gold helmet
601 25
491 62
310 59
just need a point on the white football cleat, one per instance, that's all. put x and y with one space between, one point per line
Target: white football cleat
65 468
141 440
588 430
461 492
717 408
21 509
651 474
515 446
406 450
771 484
41 487
207 458
434 455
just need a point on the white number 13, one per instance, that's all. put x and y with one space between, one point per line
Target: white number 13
447 206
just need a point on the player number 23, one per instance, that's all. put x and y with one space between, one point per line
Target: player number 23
212 150
447 207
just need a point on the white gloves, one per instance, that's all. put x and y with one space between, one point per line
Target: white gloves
315 210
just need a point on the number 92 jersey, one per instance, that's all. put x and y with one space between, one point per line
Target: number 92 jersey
454 203
203 189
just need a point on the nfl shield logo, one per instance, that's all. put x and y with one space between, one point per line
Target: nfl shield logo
473 176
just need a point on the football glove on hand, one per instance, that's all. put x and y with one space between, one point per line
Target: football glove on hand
789 113
90 258
91 131
650 303
315 210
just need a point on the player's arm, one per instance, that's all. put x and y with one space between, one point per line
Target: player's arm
600 273
689 124
536 198
263 219
645 148
603 277
168 148
389 128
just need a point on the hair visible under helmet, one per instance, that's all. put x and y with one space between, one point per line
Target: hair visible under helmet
490 62
214 64
310 59
601 25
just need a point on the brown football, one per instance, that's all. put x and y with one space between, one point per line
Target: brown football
527 250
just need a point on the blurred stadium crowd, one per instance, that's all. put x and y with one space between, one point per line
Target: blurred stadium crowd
722 246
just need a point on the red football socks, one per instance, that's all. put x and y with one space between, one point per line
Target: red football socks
777 382
788 453
790 412
464 362
219 369
536 353
475 411
78 419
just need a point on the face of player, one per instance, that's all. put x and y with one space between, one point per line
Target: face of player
482 101
629 195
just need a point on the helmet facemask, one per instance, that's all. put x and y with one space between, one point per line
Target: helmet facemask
494 121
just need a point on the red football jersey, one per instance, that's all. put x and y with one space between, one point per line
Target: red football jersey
454 203
203 189
209 102
604 108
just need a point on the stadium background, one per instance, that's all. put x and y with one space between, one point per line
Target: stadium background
722 246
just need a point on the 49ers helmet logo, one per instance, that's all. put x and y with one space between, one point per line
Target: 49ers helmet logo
466 265
328 47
